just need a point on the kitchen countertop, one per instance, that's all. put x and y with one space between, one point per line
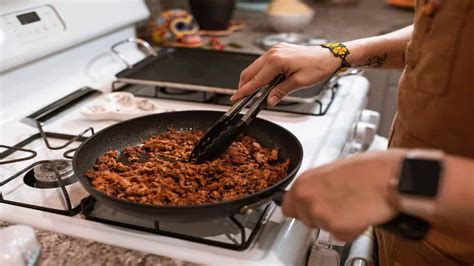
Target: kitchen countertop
57 249
346 22
333 22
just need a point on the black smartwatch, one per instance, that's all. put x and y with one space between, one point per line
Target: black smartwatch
415 188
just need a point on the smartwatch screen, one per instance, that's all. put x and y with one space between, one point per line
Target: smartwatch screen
420 177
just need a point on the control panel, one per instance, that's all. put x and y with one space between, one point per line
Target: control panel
30 31
364 133
29 25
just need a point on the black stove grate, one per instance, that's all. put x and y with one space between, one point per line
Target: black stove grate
235 233
37 119
19 147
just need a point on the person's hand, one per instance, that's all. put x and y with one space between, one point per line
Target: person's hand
302 65
347 196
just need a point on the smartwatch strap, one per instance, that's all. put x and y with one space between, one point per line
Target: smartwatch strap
407 226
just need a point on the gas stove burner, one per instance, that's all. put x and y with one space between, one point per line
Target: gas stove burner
172 91
43 175
45 172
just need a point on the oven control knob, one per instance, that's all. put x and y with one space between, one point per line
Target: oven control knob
365 134
371 117
354 148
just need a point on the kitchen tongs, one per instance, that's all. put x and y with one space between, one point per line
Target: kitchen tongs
228 127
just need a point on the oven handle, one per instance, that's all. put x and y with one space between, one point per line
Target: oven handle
138 41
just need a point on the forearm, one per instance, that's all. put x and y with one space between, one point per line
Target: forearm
385 51
307 65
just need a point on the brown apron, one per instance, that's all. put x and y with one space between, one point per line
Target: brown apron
436 110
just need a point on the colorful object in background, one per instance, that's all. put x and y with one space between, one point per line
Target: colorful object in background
176 27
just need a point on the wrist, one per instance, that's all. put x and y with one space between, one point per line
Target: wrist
357 55
361 51
454 196
340 52
331 63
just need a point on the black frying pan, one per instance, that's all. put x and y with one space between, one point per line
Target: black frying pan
130 132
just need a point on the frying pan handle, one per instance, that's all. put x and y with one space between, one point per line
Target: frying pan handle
277 197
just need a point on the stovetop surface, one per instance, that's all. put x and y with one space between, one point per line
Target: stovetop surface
224 231
282 241
277 236
20 186
24 189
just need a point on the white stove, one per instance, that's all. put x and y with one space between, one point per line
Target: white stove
50 49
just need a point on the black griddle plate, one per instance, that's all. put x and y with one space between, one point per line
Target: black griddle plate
210 68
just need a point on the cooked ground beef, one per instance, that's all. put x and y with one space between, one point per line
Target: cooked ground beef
158 172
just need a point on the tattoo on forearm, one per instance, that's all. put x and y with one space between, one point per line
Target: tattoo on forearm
375 62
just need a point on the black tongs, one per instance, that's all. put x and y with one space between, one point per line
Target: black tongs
228 127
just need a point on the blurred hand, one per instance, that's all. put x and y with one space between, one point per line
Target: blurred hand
347 196
302 65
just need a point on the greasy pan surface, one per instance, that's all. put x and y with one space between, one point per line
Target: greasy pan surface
130 132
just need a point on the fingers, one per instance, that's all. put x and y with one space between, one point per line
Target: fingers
299 210
250 71
261 79
287 205
276 95
281 90
291 208
347 235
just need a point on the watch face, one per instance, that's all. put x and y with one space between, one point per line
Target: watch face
420 177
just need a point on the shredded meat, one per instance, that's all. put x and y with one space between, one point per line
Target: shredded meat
157 172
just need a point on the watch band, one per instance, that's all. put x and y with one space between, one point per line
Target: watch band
408 227
416 206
